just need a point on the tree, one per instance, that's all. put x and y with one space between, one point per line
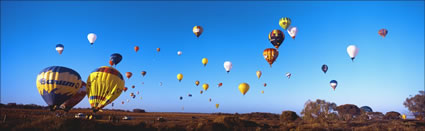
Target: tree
416 105
288 116
348 111
319 109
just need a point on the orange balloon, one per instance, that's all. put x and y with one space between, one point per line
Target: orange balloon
128 74
220 84
270 54
136 48
111 63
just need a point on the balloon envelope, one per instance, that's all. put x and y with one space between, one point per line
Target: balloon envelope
270 55
197 30
333 84
292 31
92 38
243 88
205 87
116 58
204 61
258 74
276 37
227 66
284 22
104 85
57 84
324 68
179 77
59 48
75 99
352 51
136 48
383 32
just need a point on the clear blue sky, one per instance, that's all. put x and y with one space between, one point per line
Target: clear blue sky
385 72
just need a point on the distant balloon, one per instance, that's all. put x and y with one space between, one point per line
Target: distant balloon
75 99
265 84
292 31
201 92
217 105
143 73
276 37
128 100
125 89
262 92
383 32
258 74
116 58
205 86
270 55
210 99
179 77
158 49
104 85
160 83
190 95
137 92
197 30
57 84
179 53
285 22
131 94
92 38
133 86
288 75
352 51
136 48
181 97
227 66
333 84
243 88
220 84
122 102
205 61
196 83
111 63
325 68
59 48
128 74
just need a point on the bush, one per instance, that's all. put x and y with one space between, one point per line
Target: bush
348 111
392 115
138 110
288 116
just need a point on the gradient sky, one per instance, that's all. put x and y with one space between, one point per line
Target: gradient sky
385 72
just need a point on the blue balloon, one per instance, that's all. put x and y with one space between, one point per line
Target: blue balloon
59 45
116 58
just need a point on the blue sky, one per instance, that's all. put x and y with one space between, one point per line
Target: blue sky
385 72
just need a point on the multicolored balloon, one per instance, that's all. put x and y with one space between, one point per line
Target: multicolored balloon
333 84
115 58
75 99
276 37
59 48
292 31
57 84
270 55
104 85
197 30
383 32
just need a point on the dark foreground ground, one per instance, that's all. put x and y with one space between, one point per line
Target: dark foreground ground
35 119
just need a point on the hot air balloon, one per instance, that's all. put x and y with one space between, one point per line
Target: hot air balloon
190 95
116 58
243 88
196 83
179 77
352 51
75 99
217 105
205 86
181 97
92 38
136 48
197 30
333 84
276 37
128 74
325 68
133 86
262 92
128 100
288 75
137 92
220 84
383 32
270 55
132 94
111 63
104 85
143 73
210 100
201 92
205 61
179 53
57 84
158 49
122 102
125 89
292 31
59 48
265 84
228 66
284 22
258 74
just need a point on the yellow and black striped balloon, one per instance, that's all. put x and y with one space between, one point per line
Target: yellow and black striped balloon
276 37
104 85
270 54
285 22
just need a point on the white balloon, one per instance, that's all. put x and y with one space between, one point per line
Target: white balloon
227 66
288 75
91 37
352 51
292 31
333 85
179 53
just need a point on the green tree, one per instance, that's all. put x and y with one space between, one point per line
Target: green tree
319 110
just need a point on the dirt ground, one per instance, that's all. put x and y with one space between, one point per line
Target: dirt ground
32 119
